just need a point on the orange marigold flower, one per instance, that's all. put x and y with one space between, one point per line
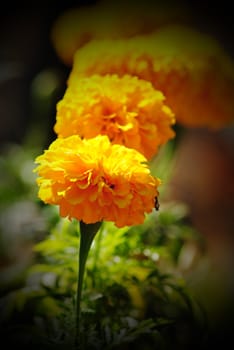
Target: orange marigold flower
110 20
94 180
128 110
190 68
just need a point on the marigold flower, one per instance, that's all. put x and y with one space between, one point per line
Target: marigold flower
190 68
110 20
94 180
128 110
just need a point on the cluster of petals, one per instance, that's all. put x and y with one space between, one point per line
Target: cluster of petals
190 68
131 76
93 180
126 109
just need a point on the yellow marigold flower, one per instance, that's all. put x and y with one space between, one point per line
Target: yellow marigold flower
111 20
190 68
94 180
128 110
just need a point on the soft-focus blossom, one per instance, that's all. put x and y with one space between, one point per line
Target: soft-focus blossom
128 110
190 68
93 180
111 20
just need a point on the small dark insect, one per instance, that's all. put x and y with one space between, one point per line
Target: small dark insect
156 203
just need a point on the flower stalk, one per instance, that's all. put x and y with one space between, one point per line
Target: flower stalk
87 234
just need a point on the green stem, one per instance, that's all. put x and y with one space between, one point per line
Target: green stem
87 234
